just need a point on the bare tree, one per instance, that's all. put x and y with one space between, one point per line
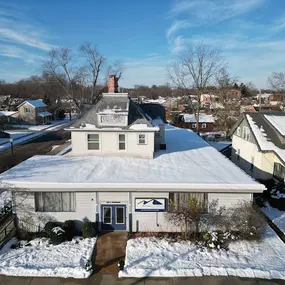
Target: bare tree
277 82
60 63
195 67
226 113
95 62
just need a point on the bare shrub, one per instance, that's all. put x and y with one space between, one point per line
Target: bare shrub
247 221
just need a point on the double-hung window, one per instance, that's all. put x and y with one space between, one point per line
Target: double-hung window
142 139
246 133
194 126
204 126
122 141
93 141
180 201
55 201
238 131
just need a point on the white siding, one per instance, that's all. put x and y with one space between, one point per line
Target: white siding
263 163
109 144
229 199
113 197
25 209
150 221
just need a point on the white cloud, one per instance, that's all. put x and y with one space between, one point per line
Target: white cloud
16 52
17 28
22 38
177 25
206 11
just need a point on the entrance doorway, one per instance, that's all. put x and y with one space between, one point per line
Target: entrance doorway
113 217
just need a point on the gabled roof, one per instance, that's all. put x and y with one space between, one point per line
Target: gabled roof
34 103
117 103
268 130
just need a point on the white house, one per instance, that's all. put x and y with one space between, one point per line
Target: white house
123 170
258 144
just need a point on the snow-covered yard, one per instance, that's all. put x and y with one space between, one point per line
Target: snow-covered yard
276 216
39 258
161 258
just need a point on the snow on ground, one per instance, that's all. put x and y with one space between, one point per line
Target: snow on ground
197 166
21 137
5 197
160 258
43 259
276 216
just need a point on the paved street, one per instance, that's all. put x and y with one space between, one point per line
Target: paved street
99 279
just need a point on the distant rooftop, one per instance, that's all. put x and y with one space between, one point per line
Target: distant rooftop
35 103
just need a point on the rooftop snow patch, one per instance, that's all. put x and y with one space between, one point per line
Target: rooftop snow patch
262 140
190 118
35 103
278 122
188 163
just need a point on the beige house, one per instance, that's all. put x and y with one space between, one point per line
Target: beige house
258 144
34 112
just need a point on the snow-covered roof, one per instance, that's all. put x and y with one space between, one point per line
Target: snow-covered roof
189 163
44 114
190 118
263 139
35 103
8 113
278 122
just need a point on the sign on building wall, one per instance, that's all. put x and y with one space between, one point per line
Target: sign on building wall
149 205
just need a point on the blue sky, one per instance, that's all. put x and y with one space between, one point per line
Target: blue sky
145 35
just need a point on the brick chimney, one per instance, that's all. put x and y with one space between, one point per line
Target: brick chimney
112 84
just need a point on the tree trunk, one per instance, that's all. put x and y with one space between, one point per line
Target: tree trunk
198 113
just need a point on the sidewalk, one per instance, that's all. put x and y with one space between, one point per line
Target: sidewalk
101 279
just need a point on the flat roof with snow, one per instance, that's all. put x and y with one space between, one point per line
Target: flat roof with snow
189 164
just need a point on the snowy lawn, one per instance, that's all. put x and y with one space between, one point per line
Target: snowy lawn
276 216
43 259
161 258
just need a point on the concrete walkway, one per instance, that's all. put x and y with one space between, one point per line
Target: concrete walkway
102 279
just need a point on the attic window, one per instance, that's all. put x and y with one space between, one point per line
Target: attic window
141 139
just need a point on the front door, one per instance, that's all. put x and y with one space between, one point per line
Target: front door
113 217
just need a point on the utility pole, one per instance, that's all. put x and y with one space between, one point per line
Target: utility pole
259 100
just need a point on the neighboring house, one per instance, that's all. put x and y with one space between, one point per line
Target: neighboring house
206 122
7 117
208 98
3 118
258 144
34 112
123 170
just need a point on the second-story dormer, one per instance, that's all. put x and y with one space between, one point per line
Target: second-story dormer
116 126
